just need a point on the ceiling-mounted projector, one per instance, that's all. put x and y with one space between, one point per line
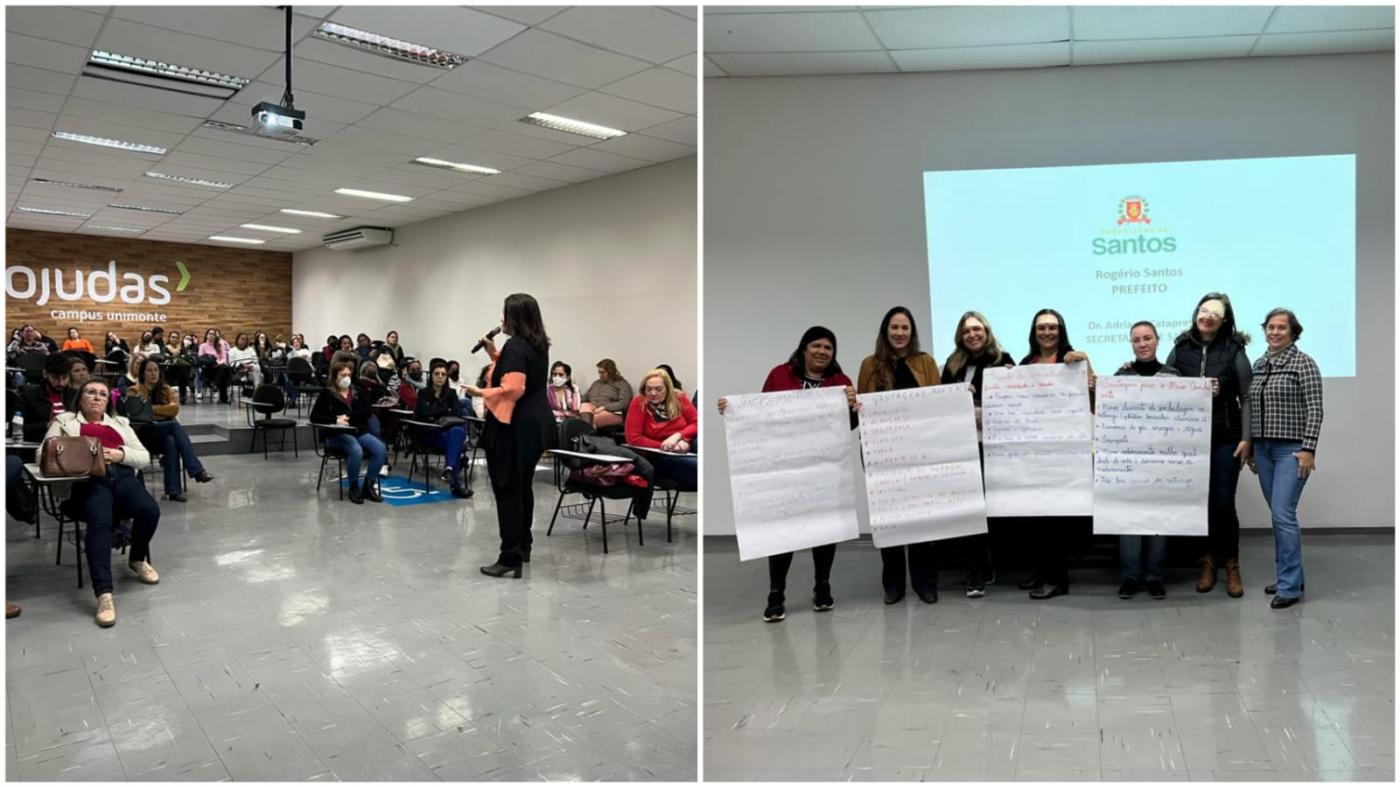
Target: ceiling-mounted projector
276 120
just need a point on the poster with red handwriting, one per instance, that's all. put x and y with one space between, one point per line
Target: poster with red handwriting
1036 432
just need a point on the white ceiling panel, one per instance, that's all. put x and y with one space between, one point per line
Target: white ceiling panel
405 146
502 140
39 79
525 14
803 63
932 28
30 118
1316 19
336 81
38 53
483 80
144 97
1100 52
494 191
1326 43
110 130
66 25
644 147
334 54
219 168
684 131
1130 22
652 34
401 121
819 32
460 30
588 158
613 111
131 117
262 27
25 134
982 57
486 158
659 87
19 98
425 177
515 180
553 57
152 43
345 153
468 110
230 150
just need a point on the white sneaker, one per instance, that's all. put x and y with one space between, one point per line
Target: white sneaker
106 610
384 471
145 572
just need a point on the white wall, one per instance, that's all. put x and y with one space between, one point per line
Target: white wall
814 213
611 261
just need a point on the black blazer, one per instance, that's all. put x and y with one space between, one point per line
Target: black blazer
329 406
430 409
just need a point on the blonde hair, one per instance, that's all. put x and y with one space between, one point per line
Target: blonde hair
672 402
960 356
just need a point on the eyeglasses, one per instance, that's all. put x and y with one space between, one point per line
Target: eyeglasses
95 393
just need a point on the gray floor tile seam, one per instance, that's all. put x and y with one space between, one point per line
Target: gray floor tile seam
105 723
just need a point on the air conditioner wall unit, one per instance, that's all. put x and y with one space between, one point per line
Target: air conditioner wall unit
358 238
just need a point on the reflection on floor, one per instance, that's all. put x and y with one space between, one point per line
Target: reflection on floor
1197 687
294 636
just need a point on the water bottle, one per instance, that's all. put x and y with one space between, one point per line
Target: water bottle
17 425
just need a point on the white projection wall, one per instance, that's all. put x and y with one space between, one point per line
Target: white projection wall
814 214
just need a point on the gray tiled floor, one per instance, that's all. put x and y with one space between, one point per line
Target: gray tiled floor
1197 687
297 637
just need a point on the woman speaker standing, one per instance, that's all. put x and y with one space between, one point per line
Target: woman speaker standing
519 426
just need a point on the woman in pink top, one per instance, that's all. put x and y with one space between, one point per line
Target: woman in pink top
213 363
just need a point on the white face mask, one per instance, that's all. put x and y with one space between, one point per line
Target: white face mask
559 380
343 383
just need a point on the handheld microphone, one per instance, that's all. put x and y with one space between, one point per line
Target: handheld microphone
491 334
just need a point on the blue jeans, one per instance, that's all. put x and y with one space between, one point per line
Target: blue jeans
350 446
678 469
1130 555
373 426
450 443
105 501
1278 477
172 442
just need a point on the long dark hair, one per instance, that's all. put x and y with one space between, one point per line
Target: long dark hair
158 389
1060 352
1227 330
523 322
886 355
798 360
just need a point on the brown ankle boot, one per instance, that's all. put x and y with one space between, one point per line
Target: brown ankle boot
1234 585
1207 581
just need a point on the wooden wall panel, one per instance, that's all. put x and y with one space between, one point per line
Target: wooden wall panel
230 289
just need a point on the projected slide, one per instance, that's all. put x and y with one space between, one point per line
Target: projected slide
1109 245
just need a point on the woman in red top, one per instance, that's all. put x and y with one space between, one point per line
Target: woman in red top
664 419
812 365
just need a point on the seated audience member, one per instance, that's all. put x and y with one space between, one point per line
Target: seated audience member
164 434
607 398
117 495
368 384
346 353
262 345
298 349
563 394
332 344
213 364
75 341
150 345
132 376
243 358
664 418
78 375
435 403
340 404
454 378
675 383
395 350
178 368
30 340
114 344
411 382
40 403
363 345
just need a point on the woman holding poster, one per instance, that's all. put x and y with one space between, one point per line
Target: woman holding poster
1049 538
976 349
896 364
1213 348
812 365
1285 404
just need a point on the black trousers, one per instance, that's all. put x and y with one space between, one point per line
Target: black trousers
1223 521
922 573
105 501
822 558
511 455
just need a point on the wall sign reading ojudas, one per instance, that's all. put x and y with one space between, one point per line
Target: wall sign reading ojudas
57 280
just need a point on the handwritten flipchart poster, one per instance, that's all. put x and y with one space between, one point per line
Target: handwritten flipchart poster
1036 432
1152 456
792 470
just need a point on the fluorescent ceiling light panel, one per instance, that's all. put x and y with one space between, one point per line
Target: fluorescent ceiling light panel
71 185
270 228
213 184
112 229
374 195
231 239
315 214
388 47
146 209
471 169
197 76
109 143
47 212
571 126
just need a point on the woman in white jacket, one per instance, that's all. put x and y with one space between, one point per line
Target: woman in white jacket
117 495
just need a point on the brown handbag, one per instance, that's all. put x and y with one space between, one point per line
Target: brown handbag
72 457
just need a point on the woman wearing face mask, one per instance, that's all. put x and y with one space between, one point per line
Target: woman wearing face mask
436 402
607 397
563 395
165 434
339 404
518 428
896 364
664 419
1213 348
812 365
411 383
975 349
1285 406
1049 537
